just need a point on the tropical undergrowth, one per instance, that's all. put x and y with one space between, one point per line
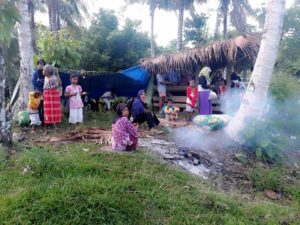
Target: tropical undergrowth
277 134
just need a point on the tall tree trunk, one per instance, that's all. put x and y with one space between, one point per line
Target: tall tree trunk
218 22
152 11
225 26
58 19
26 54
224 8
180 25
255 99
31 9
5 126
53 14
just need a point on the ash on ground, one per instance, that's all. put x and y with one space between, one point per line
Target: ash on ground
222 168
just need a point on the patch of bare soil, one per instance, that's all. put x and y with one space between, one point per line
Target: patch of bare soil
225 170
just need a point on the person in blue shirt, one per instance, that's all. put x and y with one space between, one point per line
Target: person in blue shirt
141 113
38 84
38 77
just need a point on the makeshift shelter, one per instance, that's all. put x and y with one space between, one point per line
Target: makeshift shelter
236 52
126 83
217 55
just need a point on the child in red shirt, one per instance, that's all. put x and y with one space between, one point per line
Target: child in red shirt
191 99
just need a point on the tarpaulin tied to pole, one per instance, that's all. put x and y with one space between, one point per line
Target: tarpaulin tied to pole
126 83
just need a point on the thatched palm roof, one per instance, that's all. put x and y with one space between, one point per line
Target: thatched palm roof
215 55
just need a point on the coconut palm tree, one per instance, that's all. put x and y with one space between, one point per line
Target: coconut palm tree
9 16
238 20
153 5
26 54
33 6
255 100
181 6
237 14
69 11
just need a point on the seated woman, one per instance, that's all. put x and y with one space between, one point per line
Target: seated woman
124 133
141 113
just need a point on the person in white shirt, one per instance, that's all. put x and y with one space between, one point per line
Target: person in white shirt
162 90
107 98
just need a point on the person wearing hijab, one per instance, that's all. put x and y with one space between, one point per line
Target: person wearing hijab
124 133
204 100
141 113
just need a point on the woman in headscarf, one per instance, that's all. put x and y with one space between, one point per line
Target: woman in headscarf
52 107
124 133
141 113
205 107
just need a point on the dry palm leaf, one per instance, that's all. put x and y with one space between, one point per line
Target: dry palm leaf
216 55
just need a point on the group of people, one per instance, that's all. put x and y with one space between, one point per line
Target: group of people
44 104
199 96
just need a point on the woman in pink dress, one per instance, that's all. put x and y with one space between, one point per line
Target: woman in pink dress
124 133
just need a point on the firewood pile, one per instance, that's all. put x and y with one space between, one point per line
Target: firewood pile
97 135
100 136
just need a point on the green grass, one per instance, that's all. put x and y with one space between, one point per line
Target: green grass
267 178
274 178
68 185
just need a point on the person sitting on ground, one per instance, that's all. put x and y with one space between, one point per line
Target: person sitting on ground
124 133
171 111
141 113
74 93
33 109
191 99
235 80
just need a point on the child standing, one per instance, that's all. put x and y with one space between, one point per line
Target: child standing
171 111
33 109
124 133
74 92
191 99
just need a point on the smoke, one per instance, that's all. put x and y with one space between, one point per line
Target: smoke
230 101
278 129
201 139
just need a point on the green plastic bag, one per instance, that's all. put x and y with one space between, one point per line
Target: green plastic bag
24 118
213 122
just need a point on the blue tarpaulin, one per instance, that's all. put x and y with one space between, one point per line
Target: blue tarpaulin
137 73
127 83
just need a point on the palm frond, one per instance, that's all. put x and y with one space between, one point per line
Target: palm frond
215 55
9 15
